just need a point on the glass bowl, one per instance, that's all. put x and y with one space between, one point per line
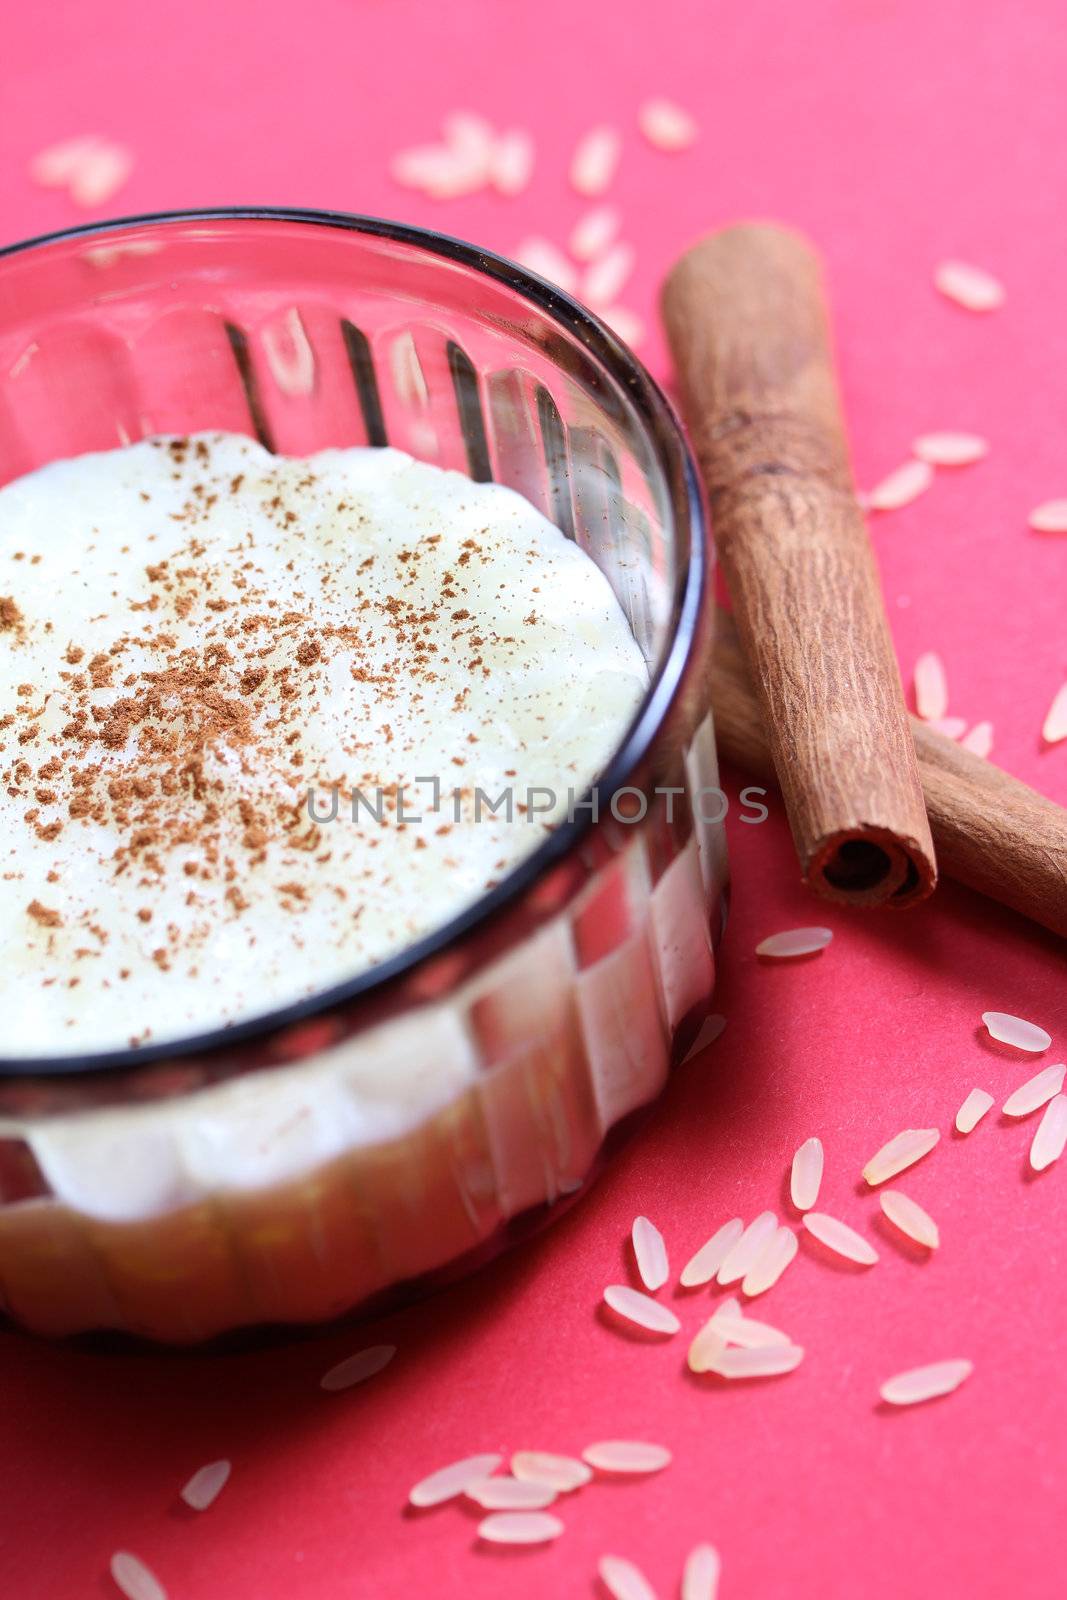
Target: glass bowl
408 1122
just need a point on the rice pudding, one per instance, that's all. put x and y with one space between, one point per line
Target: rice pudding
247 704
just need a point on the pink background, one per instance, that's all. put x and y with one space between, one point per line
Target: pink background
897 134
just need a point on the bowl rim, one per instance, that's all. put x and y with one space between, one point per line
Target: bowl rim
689 600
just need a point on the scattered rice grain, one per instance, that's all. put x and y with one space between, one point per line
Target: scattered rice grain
1051 1135
763 1361
541 256
973 1110
608 275
626 1455
706 1347
951 727
134 1579
901 1152
950 449
901 487
595 160
970 287
805 1177
623 1580
747 1332
650 1253
511 163
519 1527
594 232
1055 724
925 1383
840 1238
1049 517
448 1482
794 942
510 1494
562 1473
206 1484
356 1369
979 741
931 686
702 1267
700 1580
665 125
640 1309
748 1249
771 1262
1017 1032
1038 1091
907 1215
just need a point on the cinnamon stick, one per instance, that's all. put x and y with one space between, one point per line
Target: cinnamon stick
748 326
992 832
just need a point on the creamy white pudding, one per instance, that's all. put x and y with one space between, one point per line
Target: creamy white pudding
195 636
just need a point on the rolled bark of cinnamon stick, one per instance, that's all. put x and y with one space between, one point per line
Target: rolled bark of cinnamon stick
992 832
747 323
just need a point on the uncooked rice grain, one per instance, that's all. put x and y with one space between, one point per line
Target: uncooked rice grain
925 1383
931 686
1022 1035
1049 517
747 1331
901 1152
901 487
840 1238
794 942
1036 1092
627 324
448 1482
1051 1135
1055 725
562 1473
650 1253
805 1176
970 287
771 1262
907 1215
206 1484
510 1494
134 1579
541 256
594 232
748 1249
951 727
608 275
973 1109
623 1580
763 1361
950 449
626 1455
708 1344
700 1580
595 160
640 1309
979 741
511 163
356 1369
702 1267
665 125
519 1527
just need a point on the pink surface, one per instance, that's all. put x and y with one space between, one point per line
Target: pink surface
897 135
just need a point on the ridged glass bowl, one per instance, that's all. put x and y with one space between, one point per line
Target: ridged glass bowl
322 1155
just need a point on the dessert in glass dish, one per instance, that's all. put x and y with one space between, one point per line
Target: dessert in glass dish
357 879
